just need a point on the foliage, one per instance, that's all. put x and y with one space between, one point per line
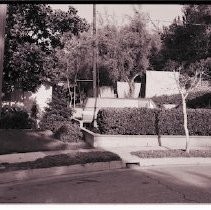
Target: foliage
187 40
122 53
55 115
68 132
127 121
125 50
172 153
199 99
15 118
32 32
64 160
171 122
143 121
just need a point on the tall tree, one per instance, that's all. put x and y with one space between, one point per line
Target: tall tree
33 31
188 40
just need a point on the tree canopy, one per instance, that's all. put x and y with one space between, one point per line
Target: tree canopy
186 40
33 31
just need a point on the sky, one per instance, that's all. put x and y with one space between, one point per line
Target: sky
160 14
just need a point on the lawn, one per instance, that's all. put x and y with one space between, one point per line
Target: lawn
172 153
72 158
22 141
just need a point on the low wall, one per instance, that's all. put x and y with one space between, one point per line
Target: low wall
170 141
100 140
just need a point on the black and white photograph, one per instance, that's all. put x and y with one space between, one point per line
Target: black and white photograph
105 103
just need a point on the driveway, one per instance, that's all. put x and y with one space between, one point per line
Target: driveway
172 184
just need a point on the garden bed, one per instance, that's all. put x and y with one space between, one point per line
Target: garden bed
172 153
73 158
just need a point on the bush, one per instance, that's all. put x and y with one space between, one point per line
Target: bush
55 115
200 99
171 122
14 117
68 133
127 121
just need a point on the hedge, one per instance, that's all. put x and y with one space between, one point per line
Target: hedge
144 121
127 121
171 122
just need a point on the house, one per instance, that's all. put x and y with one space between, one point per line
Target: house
161 83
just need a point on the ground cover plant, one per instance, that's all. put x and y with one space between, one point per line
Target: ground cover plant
22 141
63 160
172 153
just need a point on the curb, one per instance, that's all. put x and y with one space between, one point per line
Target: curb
22 175
174 161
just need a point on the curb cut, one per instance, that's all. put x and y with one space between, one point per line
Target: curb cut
22 175
174 161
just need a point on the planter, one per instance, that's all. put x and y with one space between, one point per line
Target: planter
123 90
169 141
103 140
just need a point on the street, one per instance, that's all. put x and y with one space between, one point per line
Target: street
169 184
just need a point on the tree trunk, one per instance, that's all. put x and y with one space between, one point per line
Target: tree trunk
184 106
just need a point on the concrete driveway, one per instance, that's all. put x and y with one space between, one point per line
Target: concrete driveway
172 184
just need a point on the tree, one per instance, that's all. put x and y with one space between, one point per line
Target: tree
33 31
72 62
124 51
188 40
189 78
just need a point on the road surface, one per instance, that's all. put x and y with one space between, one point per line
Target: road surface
172 184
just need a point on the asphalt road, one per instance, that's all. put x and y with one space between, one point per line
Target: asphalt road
172 184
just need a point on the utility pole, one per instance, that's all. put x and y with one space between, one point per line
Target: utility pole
94 52
3 12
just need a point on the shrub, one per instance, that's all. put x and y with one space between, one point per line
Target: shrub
68 132
14 117
171 122
55 115
200 99
127 121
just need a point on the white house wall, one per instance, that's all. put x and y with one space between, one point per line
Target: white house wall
42 96
161 83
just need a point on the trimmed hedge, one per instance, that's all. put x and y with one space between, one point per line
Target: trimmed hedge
144 121
127 121
171 122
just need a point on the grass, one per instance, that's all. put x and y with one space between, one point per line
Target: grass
172 153
22 141
62 160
